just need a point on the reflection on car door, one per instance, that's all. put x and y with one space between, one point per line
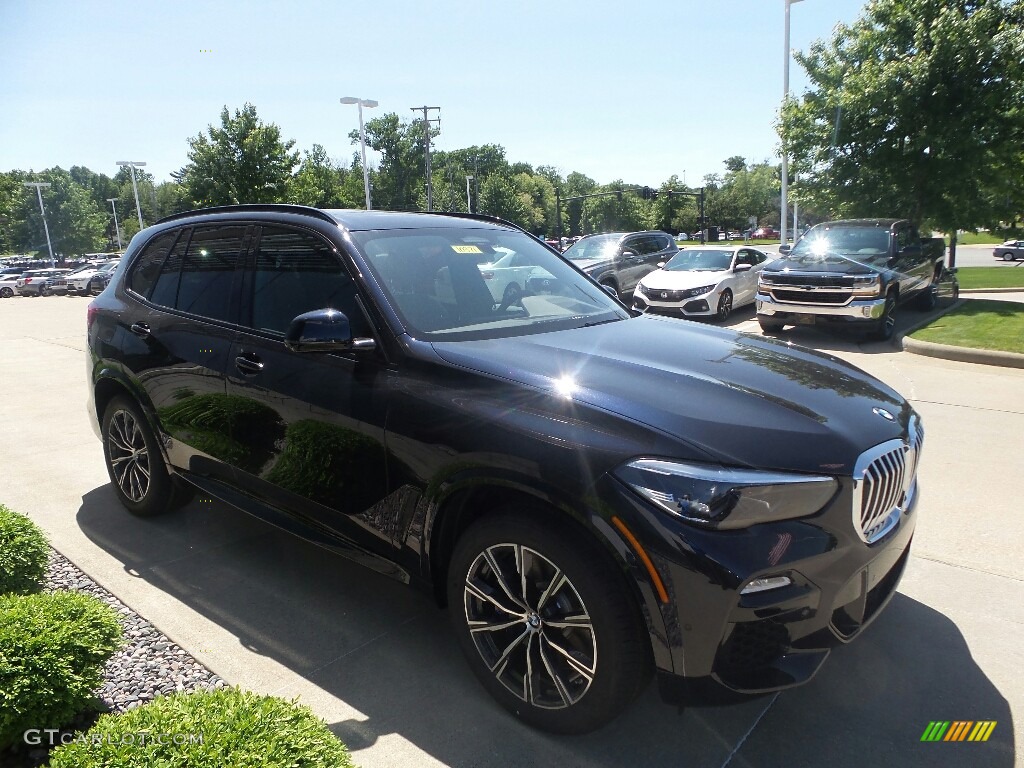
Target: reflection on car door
311 434
746 282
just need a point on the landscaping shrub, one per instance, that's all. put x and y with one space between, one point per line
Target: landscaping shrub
52 651
206 729
23 554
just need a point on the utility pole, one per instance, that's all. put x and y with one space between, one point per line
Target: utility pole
426 137
117 229
39 192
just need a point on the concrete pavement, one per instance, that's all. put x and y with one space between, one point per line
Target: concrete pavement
378 662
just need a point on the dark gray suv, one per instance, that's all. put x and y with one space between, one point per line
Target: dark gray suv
618 260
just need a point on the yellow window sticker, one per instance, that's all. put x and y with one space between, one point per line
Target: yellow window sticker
466 249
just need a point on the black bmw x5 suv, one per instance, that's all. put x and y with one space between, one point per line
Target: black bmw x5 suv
595 496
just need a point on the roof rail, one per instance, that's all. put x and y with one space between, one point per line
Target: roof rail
253 208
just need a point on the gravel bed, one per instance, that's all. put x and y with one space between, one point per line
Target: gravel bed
149 664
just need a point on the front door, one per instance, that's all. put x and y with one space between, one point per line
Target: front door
312 425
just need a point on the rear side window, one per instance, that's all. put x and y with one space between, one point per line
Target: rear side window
165 292
298 272
147 267
208 270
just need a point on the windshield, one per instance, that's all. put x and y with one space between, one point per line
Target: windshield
859 242
444 286
699 261
594 247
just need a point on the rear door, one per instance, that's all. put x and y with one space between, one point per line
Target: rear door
177 342
312 436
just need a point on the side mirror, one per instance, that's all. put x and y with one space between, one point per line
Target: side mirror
627 254
784 249
661 265
324 330
611 291
742 268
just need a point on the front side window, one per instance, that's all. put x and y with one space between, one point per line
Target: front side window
436 282
297 272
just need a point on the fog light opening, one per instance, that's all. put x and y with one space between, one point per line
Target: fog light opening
763 585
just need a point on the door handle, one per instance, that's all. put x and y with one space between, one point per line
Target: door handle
140 329
249 364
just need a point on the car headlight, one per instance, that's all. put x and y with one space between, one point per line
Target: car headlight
698 291
867 285
724 498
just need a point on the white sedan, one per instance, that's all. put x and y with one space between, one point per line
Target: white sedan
703 281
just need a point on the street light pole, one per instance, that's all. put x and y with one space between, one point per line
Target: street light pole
133 165
369 104
784 204
469 198
39 193
117 230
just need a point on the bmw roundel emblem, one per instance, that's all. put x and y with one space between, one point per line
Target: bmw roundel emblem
884 414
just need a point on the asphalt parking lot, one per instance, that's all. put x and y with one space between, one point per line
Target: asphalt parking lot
378 662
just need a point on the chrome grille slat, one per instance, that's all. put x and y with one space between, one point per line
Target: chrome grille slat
884 481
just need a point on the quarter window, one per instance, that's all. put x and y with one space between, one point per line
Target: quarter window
147 267
298 272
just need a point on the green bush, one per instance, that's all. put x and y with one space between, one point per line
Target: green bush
23 554
206 729
52 651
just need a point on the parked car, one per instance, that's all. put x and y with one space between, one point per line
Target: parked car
853 274
512 273
8 285
1011 250
94 280
707 281
617 260
766 233
595 495
61 285
37 282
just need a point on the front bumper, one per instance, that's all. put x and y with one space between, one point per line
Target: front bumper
775 639
856 311
697 306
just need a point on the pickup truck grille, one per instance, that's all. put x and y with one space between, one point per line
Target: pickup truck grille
885 479
807 280
812 296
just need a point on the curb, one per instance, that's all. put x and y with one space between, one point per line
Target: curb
949 352
991 290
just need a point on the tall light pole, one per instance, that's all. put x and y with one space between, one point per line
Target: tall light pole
133 165
39 193
117 230
426 142
369 104
785 157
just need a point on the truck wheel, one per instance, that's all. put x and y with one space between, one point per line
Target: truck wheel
930 297
769 326
887 323
545 623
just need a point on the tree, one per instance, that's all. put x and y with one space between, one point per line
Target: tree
499 197
915 111
76 223
321 184
399 180
243 161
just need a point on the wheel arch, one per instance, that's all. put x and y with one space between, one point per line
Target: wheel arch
460 509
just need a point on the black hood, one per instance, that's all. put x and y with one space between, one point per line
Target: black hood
744 400
831 264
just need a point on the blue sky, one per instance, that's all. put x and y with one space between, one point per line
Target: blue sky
636 91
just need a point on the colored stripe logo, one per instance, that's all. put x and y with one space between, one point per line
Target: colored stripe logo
958 730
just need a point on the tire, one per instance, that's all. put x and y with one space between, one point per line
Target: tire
6 293
92 289
887 324
930 297
1009 256
769 326
135 464
724 306
583 674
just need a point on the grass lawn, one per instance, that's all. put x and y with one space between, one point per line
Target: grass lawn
990 277
984 238
979 324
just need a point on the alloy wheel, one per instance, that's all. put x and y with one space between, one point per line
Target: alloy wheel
530 626
129 457
725 305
